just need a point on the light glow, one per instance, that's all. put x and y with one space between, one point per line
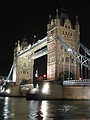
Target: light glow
8 91
69 49
43 109
45 88
79 78
14 74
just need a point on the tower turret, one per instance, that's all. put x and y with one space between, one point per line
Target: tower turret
63 16
49 23
18 46
24 43
57 19
77 27
59 64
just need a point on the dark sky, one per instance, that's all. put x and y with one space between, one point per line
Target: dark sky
29 18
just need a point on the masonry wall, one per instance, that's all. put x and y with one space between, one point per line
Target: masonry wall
76 92
57 91
14 90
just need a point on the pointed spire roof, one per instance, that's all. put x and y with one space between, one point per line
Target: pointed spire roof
63 15
15 44
49 22
19 43
77 23
57 15
24 39
24 42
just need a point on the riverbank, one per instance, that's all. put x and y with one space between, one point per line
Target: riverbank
52 90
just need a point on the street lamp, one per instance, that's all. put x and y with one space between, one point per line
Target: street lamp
44 76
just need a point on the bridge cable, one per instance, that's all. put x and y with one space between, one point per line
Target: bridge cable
86 50
75 55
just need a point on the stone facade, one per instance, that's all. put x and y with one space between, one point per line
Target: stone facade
23 65
59 64
57 91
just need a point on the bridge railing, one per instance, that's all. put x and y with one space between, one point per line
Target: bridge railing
77 82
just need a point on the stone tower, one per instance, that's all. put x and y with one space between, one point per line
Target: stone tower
23 64
59 64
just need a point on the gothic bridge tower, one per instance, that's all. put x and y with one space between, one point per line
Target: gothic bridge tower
59 64
23 64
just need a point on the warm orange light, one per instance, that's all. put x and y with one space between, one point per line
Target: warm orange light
44 75
79 78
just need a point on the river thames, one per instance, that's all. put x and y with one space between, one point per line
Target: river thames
21 109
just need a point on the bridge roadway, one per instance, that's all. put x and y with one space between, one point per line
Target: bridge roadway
76 82
35 47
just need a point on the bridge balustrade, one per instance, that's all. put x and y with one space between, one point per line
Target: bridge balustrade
77 82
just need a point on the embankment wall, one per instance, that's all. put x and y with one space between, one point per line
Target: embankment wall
58 91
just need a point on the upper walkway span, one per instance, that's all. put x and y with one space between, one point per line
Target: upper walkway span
29 51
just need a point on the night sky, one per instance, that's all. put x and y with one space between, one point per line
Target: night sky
30 18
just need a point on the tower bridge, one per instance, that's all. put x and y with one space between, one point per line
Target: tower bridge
62 47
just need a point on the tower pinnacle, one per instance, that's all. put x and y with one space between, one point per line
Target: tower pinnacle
57 15
49 22
77 23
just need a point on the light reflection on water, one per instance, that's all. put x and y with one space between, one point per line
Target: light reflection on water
43 109
8 112
21 109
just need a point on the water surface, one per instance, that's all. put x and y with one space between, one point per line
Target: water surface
22 109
